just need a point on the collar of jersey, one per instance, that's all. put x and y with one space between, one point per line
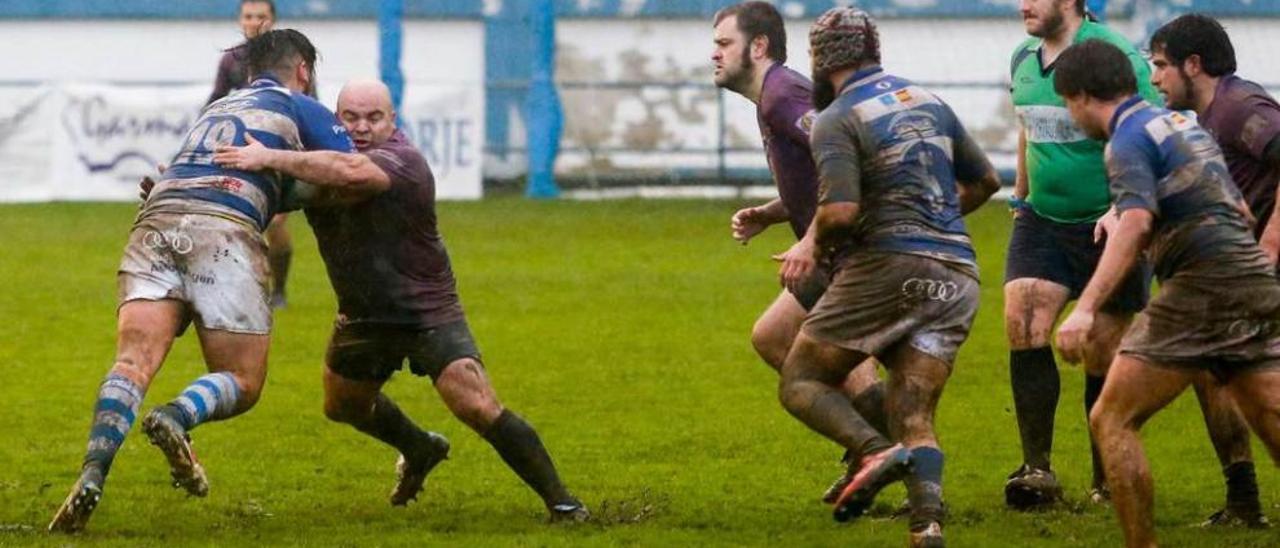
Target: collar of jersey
266 80
861 77
1124 109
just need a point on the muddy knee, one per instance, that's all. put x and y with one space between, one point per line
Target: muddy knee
466 391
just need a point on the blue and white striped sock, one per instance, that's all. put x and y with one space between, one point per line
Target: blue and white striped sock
209 398
113 415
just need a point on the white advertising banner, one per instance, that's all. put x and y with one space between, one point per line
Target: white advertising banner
94 142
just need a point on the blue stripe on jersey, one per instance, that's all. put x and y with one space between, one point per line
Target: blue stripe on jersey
222 198
194 171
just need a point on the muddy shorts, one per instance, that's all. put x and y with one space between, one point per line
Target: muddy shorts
811 290
876 301
217 266
1221 327
374 351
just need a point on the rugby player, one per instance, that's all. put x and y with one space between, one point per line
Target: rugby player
1195 67
195 254
749 56
1060 191
1218 309
897 172
397 301
257 17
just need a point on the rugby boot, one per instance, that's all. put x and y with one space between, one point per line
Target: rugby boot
874 472
75 511
927 536
1100 494
832 493
1030 488
569 512
412 473
167 433
1230 516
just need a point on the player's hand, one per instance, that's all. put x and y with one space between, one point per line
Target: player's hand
797 264
1106 224
251 157
747 223
147 183
1073 335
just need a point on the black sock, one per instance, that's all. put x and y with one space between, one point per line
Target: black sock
870 404
1036 387
519 446
389 425
1092 388
279 259
1242 486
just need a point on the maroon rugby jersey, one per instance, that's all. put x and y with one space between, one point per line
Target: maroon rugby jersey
385 257
232 73
1244 119
785 115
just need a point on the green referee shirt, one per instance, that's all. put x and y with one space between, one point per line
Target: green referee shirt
1065 171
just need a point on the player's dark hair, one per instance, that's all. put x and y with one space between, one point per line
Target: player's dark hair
271 6
759 19
1196 34
1080 7
1096 69
278 52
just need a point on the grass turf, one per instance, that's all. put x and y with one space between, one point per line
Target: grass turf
619 329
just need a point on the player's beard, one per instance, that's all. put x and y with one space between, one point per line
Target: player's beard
1050 25
1187 101
824 92
739 80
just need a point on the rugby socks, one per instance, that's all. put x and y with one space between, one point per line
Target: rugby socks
1092 389
829 413
279 259
390 426
519 446
210 398
113 415
1242 486
1036 388
924 486
870 404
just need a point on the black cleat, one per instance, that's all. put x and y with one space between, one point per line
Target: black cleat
874 473
1238 517
572 512
75 511
411 474
166 433
1031 488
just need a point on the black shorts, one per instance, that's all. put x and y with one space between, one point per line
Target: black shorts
1065 254
813 288
373 352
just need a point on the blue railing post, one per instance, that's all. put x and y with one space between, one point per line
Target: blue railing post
544 118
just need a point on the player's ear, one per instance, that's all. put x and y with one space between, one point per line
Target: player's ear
759 45
1192 65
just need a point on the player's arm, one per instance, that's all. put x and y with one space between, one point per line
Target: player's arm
976 178
352 173
1270 241
1021 185
222 81
835 154
750 221
1133 183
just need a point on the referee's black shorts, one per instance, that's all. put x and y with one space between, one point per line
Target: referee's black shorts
1064 253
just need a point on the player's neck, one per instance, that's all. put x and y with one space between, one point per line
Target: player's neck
1206 90
756 86
1061 40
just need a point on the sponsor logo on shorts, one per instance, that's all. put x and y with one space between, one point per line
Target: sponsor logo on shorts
180 243
931 290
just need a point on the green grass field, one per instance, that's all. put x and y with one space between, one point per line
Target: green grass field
619 329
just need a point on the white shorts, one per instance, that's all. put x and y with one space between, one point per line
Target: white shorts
217 266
